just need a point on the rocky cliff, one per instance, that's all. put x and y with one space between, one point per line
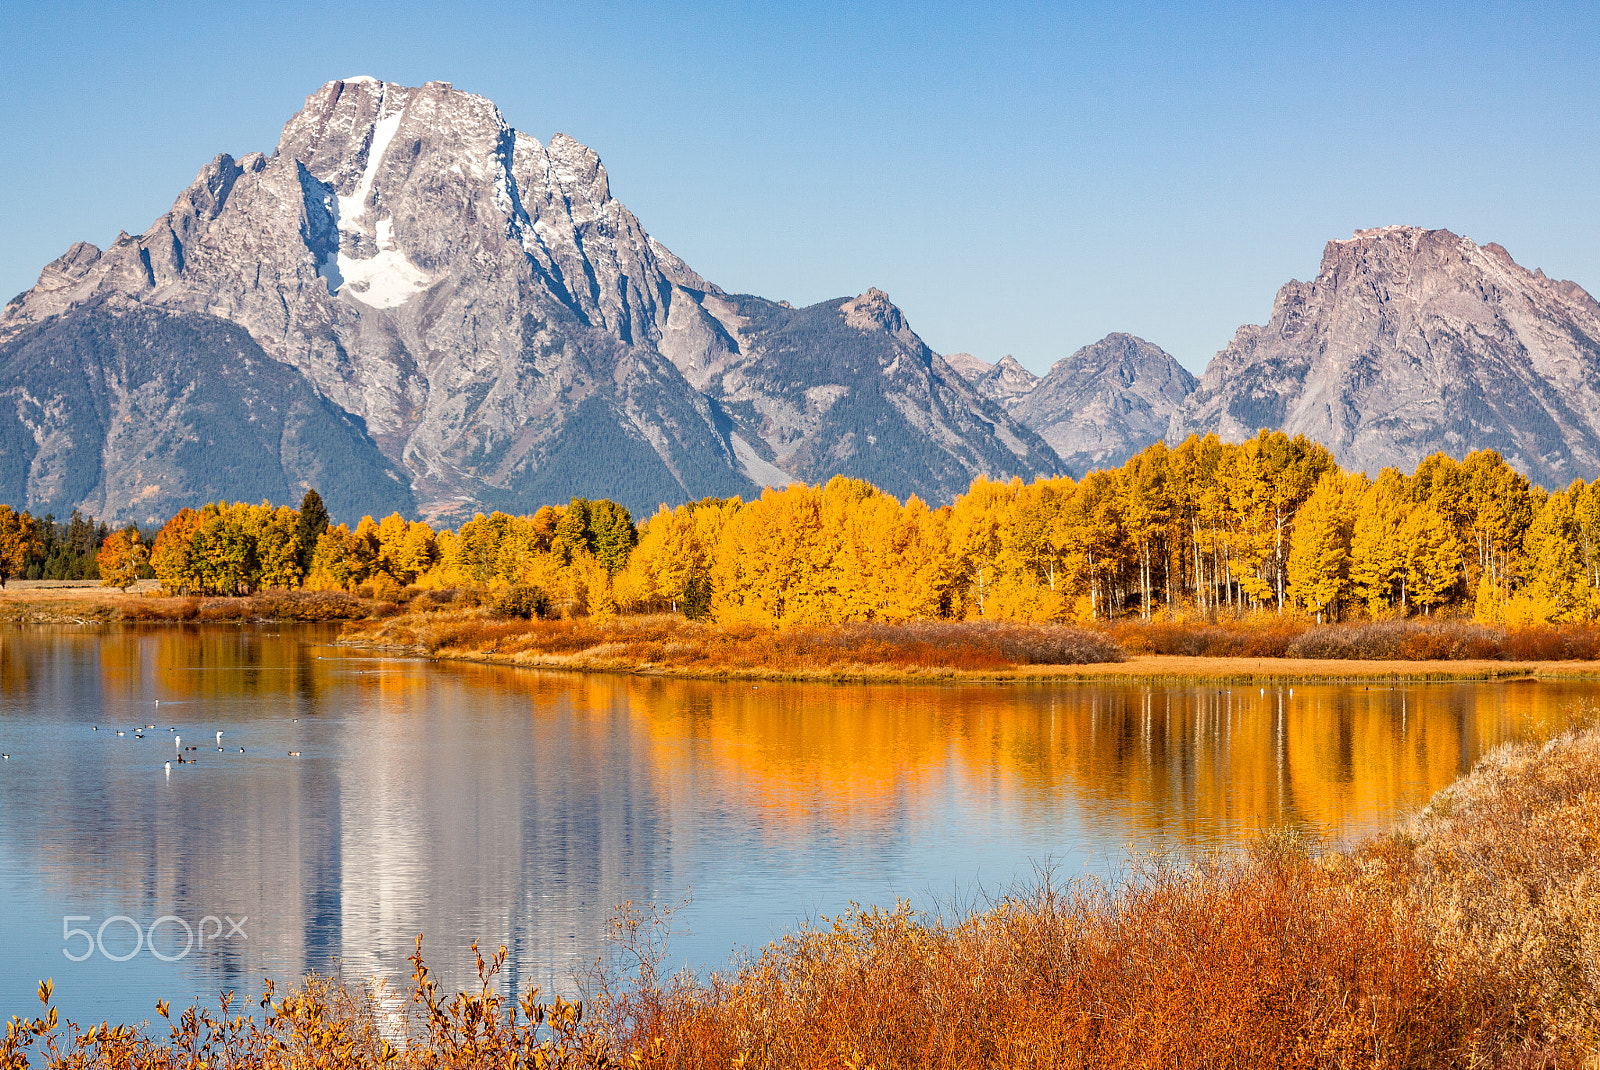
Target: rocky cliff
1410 341
477 306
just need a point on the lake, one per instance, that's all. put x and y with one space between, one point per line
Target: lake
519 807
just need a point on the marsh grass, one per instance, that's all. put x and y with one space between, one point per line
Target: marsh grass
1468 937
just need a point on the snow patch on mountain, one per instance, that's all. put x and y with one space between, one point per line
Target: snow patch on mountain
387 279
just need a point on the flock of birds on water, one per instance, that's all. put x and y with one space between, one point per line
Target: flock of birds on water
177 743
177 740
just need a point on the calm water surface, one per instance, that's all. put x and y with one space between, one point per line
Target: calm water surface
519 807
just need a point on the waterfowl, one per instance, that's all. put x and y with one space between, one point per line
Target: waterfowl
294 754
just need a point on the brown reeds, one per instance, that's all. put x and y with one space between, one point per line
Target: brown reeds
104 606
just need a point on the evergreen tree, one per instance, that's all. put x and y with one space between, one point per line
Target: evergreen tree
612 535
313 522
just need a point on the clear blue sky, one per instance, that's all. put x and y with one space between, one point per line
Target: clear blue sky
1020 178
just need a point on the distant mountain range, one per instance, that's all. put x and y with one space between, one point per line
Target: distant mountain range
411 305
1095 408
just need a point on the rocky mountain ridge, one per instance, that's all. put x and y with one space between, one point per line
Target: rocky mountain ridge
412 305
505 331
1095 408
1411 341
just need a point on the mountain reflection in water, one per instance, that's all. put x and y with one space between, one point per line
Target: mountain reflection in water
519 807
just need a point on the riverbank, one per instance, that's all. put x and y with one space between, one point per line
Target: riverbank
928 652
1467 937
459 628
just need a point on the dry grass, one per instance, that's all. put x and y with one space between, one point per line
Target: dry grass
1423 640
1469 938
1416 639
669 643
1260 636
453 625
1505 868
92 605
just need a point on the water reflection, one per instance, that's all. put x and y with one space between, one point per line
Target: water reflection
471 802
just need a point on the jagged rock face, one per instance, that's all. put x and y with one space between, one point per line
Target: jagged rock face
1105 402
505 330
847 386
1411 341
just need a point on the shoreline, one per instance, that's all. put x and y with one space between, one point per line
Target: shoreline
1140 669
81 603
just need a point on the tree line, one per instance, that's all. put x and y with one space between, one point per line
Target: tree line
43 548
1268 525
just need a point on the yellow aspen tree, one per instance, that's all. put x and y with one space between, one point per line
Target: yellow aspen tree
978 522
1146 513
1432 554
753 571
1377 544
334 562
1555 590
172 557
16 542
1318 564
121 558
1289 469
1500 503
277 538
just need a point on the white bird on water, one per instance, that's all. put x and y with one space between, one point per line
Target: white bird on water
169 769
219 740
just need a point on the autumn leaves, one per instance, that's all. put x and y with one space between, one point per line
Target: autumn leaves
1271 524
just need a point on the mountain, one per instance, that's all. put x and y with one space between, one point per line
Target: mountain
1006 381
1106 402
1410 341
137 412
846 386
1097 407
477 308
